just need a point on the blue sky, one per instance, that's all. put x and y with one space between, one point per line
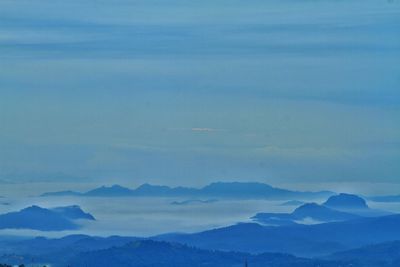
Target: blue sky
189 92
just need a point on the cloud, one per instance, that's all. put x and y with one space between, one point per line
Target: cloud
197 129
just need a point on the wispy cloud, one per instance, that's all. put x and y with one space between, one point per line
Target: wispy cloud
197 129
204 129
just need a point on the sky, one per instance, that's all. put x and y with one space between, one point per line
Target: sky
295 93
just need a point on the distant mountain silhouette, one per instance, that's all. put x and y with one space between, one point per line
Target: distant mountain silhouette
219 189
304 240
37 218
112 191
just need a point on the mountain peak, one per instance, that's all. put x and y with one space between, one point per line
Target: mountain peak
346 201
73 212
114 190
152 189
34 208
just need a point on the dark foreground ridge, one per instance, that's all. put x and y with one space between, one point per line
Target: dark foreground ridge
147 253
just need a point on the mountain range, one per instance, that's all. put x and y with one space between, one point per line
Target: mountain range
214 190
298 239
346 243
337 208
341 207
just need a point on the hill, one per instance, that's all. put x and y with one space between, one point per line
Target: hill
37 218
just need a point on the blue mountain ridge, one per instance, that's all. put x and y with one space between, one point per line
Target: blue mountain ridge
218 189
119 251
300 240
270 246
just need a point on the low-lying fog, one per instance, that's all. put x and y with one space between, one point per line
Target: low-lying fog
137 216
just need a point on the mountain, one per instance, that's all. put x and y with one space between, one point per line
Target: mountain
301 240
256 190
151 190
354 204
383 254
308 213
394 198
243 190
82 250
37 218
346 202
165 191
112 191
73 212
214 190
254 238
